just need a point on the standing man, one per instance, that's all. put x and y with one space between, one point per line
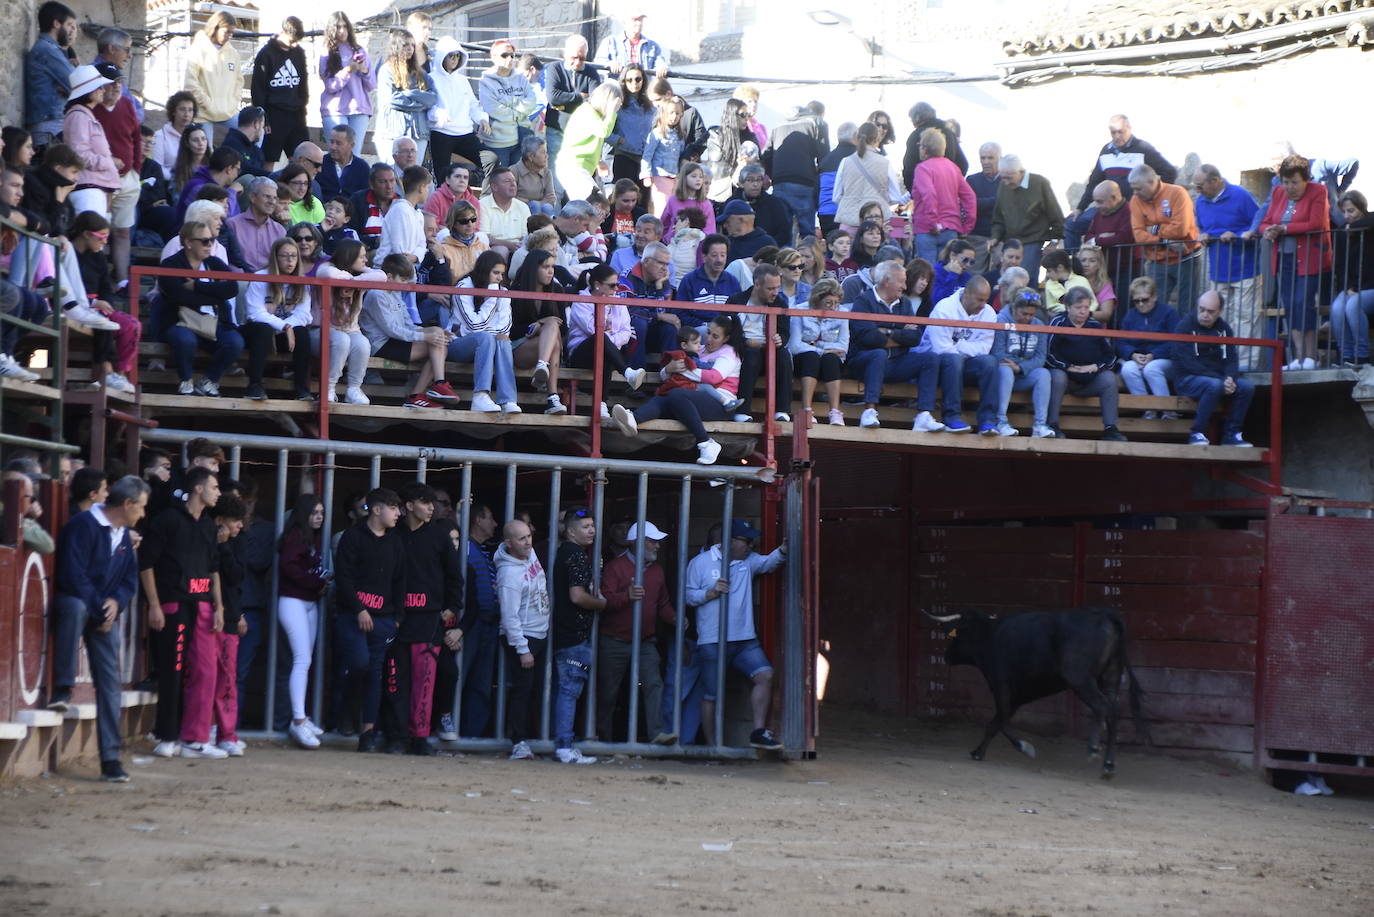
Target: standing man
619 50
575 605
1225 212
1163 221
567 83
480 625
115 46
280 87
47 72
255 228
97 574
343 173
1123 153
984 184
1110 230
1209 372
966 355
524 597
707 586
922 116
1026 209
772 213
617 633
793 157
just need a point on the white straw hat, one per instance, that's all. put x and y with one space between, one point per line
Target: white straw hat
85 80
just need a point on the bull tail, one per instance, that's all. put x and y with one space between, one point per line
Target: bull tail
1136 692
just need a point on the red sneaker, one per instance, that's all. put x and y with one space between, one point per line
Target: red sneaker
418 401
443 391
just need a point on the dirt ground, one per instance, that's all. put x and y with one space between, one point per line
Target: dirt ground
893 818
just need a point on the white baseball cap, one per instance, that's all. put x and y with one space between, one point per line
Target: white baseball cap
651 532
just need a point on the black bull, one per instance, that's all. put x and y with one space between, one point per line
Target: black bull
1033 655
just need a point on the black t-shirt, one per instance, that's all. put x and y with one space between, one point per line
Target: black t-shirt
572 624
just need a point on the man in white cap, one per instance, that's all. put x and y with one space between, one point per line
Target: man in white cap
618 51
617 634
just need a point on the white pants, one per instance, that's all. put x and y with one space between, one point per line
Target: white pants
301 622
94 199
576 181
344 348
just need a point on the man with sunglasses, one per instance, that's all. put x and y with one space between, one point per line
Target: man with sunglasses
309 157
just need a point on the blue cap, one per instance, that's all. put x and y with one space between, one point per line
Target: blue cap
741 529
737 208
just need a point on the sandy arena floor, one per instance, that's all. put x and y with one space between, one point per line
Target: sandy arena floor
892 819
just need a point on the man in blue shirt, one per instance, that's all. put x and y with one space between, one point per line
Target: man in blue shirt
1224 213
618 51
46 74
984 184
710 284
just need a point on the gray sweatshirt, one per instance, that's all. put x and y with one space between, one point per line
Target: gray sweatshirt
522 589
508 101
384 316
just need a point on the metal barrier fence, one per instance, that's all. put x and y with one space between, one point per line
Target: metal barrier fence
797 661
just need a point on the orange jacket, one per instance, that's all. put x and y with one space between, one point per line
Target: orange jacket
1171 211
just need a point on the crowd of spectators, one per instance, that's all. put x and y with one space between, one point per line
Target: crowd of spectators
591 175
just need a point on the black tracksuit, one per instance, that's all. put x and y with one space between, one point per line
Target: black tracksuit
369 573
280 86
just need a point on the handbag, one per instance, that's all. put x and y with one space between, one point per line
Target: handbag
200 324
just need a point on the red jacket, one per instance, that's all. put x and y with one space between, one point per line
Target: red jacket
1312 219
301 567
618 619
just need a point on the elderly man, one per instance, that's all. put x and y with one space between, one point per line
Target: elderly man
503 215
619 50
655 327
984 183
648 228
575 219
1225 212
1082 365
965 355
115 46
405 153
1208 372
624 586
567 83
737 221
255 228
1163 222
1026 209
772 214
881 352
1110 230
370 205
342 173
923 116
1123 153
309 157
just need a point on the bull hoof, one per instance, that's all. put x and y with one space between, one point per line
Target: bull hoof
976 755
1026 748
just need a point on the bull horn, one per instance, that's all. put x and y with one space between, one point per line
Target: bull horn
945 619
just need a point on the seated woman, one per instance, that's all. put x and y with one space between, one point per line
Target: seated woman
212 298
867 241
1093 262
717 366
347 344
539 325
819 347
385 321
275 311
617 335
482 326
1353 279
463 243
304 207
114 353
1145 364
310 241
952 271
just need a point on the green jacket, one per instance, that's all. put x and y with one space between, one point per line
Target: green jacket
584 137
1030 214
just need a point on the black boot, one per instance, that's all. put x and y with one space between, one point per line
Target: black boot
369 741
421 747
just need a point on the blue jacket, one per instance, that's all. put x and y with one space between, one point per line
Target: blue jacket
631 131
1025 349
615 48
1233 210
47 82
1199 358
633 286
868 335
985 190
87 570
481 601
697 287
1161 318
661 157
945 283
1071 350
355 176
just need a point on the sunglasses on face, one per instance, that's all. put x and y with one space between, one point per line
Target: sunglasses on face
303 239
1140 300
466 221
792 267
206 241
507 54
318 165
965 260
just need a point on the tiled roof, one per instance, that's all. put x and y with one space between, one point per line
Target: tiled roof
160 4
1133 22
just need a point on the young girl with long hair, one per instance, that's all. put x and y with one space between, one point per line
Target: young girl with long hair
302 580
658 168
479 313
348 81
722 148
275 312
1093 261
405 95
689 193
192 153
539 325
347 343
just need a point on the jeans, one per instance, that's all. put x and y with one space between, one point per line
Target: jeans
1350 319
1182 277
479 665
361 655
573 667
612 667
75 620
1076 227
493 367
359 124
1208 392
651 336
956 370
1037 380
541 207
1101 385
930 244
1152 378
802 199
875 367
226 347
29 306
687 406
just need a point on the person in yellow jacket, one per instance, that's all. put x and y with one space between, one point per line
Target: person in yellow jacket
214 74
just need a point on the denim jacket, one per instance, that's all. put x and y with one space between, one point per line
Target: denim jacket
47 75
661 157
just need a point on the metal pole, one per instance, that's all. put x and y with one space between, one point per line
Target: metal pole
501 661
326 294
421 469
599 374
235 460
465 522
321 606
278 524
684 521
598 508
637 608
722 619
374 472
555 495
796 659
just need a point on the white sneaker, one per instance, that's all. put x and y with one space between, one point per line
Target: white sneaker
1006 429
510 407
605 414
333 395
186 387
481 401
520 751
313 727
556 406
1295 365
742 418
1042 431
207 388
355 395
540 379
232 749
303 735
924 423
448 730
1319 782
869 418
624 420
635 378
1309 363
10 369
84 315
782 417
119 382
710 451
166 749
201 750
573 756
1150 415
1307 788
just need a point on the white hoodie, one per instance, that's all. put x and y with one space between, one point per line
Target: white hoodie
457 112
523 592
970 342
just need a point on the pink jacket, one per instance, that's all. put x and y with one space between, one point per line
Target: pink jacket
939 194
83 133
676 206
582 324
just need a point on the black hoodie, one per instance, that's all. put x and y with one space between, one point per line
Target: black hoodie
182 552
369 572
40 196
433 578
280 79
